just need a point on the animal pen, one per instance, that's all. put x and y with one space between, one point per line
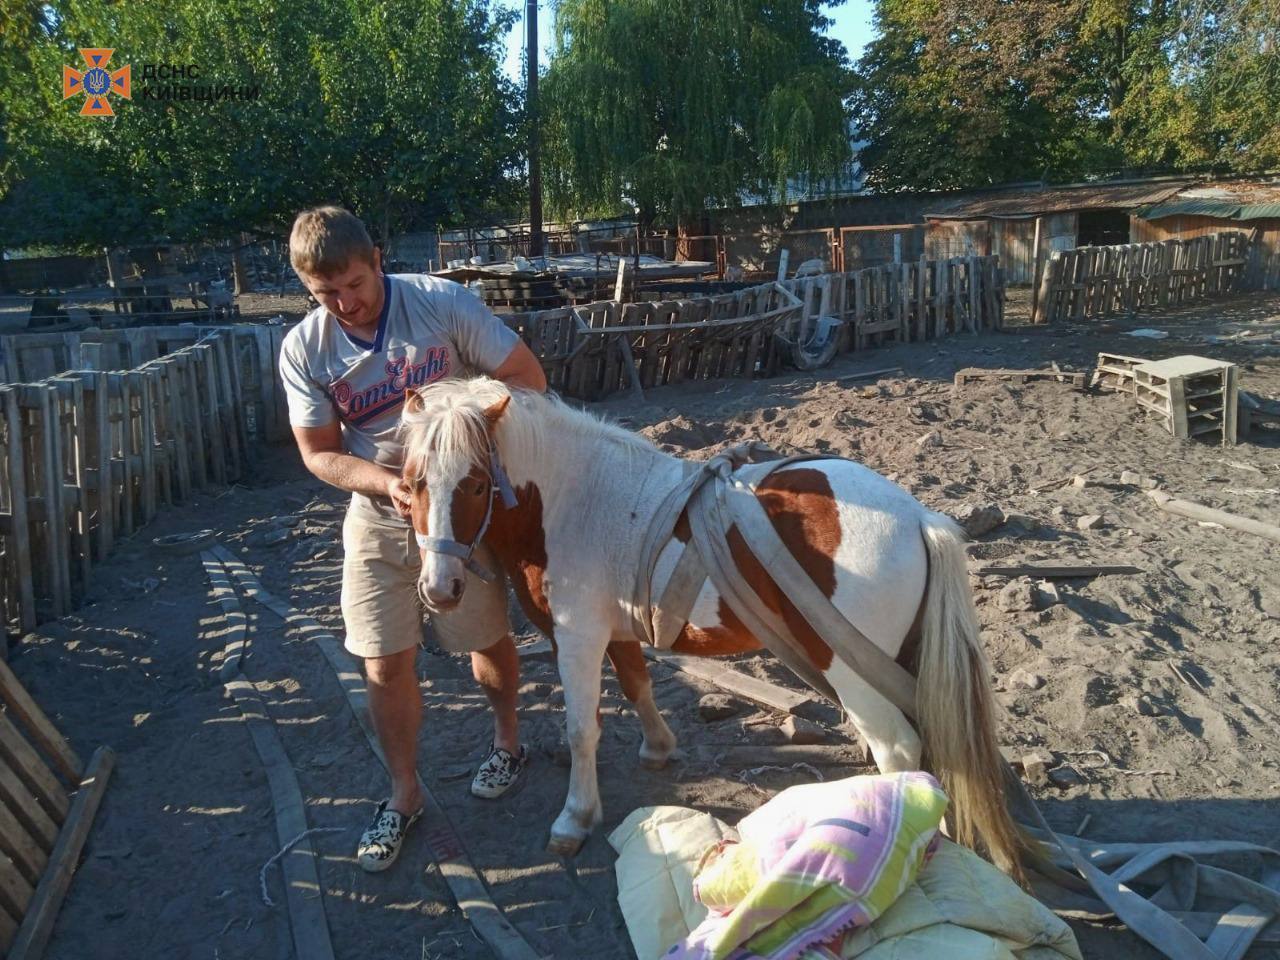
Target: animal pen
592 351
99 428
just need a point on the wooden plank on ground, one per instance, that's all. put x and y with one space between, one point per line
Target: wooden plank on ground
968 374
37 924
21 705
303 891
740 684
1050 571
464 880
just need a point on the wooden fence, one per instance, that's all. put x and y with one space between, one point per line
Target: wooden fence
919 300
591 351
1101 281
88 455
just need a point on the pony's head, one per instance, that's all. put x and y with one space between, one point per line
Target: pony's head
455 478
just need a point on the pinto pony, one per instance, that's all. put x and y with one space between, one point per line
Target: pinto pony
563 501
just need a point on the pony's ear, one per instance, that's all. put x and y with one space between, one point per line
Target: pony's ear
412 402
494 413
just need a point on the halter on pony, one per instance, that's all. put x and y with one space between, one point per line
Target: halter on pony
499 486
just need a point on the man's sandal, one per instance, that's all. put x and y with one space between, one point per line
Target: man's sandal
380 843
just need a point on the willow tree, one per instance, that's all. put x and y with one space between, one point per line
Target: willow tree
669 106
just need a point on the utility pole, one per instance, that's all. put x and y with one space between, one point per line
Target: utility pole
531 112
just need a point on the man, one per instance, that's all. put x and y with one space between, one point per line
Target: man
346 368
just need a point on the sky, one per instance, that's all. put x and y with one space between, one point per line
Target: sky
852 27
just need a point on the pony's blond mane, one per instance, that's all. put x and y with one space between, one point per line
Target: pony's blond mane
448 434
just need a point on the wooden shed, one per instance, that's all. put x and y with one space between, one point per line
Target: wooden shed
1249 205
1003 222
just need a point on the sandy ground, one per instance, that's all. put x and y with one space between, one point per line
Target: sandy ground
171 868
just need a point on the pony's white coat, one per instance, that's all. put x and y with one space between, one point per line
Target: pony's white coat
599 486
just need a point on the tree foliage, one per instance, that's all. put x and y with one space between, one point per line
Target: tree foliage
954 95
671 105
396 108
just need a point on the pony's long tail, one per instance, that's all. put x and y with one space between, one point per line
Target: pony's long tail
955 704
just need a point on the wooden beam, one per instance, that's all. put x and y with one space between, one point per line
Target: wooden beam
303 891
37 924
464 880
1048 571
1198 511
740 684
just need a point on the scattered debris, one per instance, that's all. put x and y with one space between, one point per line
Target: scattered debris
1026 680
978 518
1148 333
1018 597
1040 488
931 439
800 731
1080 481
1066 776
1090 521
1047 594
1035 765
716 706
1141 704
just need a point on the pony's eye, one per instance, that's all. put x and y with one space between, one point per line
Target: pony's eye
475 487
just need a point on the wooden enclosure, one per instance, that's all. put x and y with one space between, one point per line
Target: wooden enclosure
920 300
1100 281
589 352
109 426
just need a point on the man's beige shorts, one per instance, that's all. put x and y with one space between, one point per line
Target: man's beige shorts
380 595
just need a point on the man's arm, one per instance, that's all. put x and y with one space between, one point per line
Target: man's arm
322 453
522 369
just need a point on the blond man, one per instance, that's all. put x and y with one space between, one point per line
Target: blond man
346 368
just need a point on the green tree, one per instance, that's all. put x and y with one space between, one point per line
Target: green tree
672 105
397 109
955 95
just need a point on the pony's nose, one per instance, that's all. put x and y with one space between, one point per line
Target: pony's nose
441 598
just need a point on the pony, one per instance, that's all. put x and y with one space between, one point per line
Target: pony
562 499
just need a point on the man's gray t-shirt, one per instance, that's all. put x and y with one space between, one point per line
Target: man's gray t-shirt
429 329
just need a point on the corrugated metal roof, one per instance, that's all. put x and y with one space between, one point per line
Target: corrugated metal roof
1031 201
1219 209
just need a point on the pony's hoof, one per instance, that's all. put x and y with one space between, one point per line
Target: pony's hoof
654 763
564 846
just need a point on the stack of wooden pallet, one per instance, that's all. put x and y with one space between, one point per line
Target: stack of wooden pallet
1193 396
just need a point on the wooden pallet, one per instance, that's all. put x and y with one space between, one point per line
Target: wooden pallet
1193 396
1114 372
44 821
972 374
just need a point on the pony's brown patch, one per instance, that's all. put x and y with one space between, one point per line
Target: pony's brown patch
802 507
517 539
466 509
630 666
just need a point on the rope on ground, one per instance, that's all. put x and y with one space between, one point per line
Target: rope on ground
262 874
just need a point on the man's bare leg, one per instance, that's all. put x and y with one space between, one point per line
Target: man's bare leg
395 704
497 670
